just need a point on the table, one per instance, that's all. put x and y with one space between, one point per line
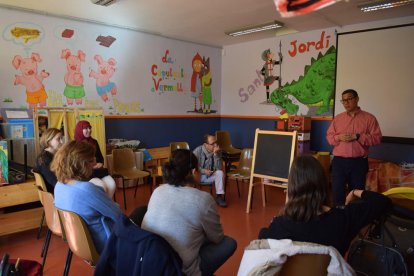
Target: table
16 194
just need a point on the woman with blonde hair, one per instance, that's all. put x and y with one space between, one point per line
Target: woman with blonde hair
50 142
73 165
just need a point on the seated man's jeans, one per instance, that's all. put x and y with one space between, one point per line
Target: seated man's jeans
215 255
217 178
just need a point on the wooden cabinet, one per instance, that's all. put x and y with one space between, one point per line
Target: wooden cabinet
17 194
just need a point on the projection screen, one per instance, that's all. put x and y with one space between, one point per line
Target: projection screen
379 65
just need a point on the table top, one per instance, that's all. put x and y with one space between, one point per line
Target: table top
16 194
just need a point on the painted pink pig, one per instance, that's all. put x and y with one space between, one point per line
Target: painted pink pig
35 91
73 78
106 70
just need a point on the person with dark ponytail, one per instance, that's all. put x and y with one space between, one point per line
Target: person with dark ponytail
187 217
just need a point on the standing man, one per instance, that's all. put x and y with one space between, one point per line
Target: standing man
351 133
209 162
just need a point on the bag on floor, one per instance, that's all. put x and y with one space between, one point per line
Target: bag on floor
19 267
373 259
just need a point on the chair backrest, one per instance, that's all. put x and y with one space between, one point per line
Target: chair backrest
223 139
178 145
159 157
245 162
51 214
123 159
306 264
78 236
40 182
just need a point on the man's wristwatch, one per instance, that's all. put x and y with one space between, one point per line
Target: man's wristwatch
357 136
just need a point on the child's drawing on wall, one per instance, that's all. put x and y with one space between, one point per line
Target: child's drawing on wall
74 89
206 85
35 90
105 71
196 81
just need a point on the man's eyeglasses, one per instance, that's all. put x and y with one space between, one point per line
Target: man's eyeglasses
212 144
347 100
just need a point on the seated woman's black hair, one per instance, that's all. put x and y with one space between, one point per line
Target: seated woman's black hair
177 171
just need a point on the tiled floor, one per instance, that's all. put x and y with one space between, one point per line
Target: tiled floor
237 224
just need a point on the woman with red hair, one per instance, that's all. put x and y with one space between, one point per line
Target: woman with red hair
100 175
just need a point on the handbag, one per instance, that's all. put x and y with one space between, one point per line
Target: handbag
371 258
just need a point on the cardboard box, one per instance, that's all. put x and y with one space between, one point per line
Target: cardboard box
299 123
303 136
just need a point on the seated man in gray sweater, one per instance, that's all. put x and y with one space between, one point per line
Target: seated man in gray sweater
209 161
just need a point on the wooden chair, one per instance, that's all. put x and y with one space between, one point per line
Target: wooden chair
306 264
41 185
244 168
154 166
124 167
52 221
79 239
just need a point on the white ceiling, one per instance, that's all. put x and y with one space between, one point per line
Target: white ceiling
206 21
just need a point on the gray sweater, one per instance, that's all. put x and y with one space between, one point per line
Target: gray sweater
186 218
207 160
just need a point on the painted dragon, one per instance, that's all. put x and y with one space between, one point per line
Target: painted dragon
315 86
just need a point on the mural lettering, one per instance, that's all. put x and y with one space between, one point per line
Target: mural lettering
129 107
251 88
165 77
306 47
54 99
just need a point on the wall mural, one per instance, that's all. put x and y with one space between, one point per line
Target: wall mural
166 76
52 62
289 89
31 79
315 88
201 81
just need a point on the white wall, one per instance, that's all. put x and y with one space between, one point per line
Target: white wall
134 52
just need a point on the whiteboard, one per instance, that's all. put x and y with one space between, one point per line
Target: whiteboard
379 64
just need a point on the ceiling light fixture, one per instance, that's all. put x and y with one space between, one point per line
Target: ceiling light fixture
257 28
380 5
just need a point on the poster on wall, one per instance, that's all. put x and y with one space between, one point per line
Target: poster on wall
291 75
54 62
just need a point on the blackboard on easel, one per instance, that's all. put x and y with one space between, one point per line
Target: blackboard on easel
273 155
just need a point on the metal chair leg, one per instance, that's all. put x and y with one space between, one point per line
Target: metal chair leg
136 188
46 246
41 225
67 264
123 190
238 188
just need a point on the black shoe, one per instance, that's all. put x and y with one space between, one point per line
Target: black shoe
221 202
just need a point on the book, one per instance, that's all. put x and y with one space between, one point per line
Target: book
4 166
